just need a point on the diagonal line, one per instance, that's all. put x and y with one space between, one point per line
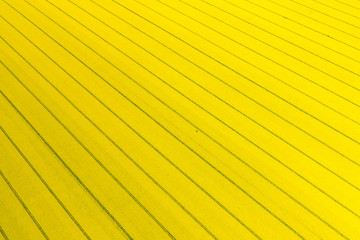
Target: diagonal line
251 99
3 233
285 40
347 4
152 146
45 183
270 155
340 177
193 181
208 91
242 59
289 30
23 204
292 10
301 24
301 110
93 156
313 9
246 139
68 168
264 42
238 73
115 144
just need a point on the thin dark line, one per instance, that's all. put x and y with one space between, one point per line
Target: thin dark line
265 152
23 204
328 14
347 4
272 93
294 32
44 182
154 119
69 169
280 161
238 57
250 97
94 157
3 232
315 20
253 143
196 104
350 138
282 191
115 144
246 78
221 81
194 182
208 163
327 60
319 85
305 26
211 75
285 40
135 81
264 42
110 63
190 179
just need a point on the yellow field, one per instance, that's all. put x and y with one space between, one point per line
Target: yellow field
180 119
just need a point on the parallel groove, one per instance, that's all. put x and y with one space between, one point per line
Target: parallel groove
152 146
267 152
312 29
3 233
330 15
113 142
292 31
285 54
275 113
286 167
43 181
337 29
290 158
327 60
67 167
23 205
238 73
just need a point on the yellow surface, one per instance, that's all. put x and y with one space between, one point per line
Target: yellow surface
180 119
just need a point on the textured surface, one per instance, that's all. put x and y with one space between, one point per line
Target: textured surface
186 119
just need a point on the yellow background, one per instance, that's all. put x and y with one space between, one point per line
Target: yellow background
180 119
